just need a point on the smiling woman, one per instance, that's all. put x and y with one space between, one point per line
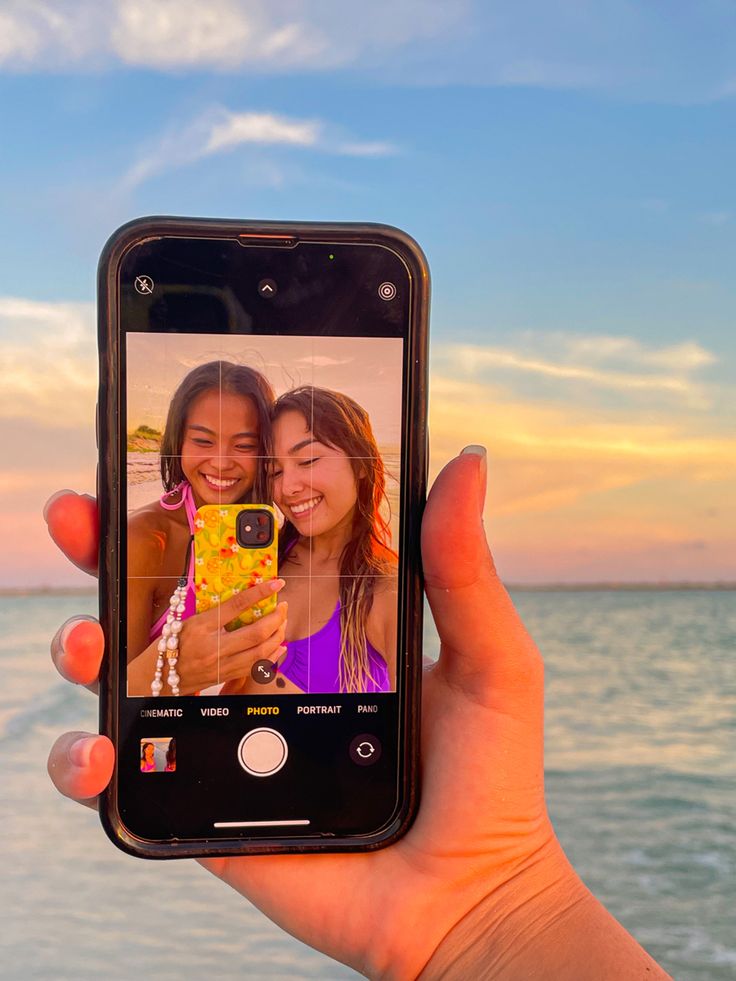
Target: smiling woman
329 480
216 435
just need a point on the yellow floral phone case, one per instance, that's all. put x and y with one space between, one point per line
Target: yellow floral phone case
223 566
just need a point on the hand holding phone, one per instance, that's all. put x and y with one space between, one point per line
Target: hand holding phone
481 868
207 656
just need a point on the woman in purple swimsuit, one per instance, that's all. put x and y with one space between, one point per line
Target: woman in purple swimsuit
217 432
329 481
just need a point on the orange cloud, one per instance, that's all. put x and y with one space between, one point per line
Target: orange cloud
598 494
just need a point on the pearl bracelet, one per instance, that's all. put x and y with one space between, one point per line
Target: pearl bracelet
168 645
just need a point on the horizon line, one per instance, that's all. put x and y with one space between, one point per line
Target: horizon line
716 585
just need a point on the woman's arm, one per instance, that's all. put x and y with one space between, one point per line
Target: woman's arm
147 540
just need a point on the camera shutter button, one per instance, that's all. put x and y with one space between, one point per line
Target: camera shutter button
262 752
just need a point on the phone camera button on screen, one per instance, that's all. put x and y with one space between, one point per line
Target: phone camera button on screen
144 285
365 750
268 289
387 291
262 752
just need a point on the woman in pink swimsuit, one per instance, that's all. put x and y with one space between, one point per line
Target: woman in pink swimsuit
216 435
148 761
329 481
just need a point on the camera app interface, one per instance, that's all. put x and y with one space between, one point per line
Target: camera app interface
263 501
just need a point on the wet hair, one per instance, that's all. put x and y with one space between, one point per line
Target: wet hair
234 379
338 421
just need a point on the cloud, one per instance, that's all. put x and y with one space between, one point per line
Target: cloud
638 50
377 148
260 127
601 442
539 73
618 364
48 362
221 130
716 218
577 492
323 361
220 35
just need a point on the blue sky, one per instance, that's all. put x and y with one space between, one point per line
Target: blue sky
567 167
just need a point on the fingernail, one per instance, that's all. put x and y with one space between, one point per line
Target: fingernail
68 629
80 752
280 651
276 585
54 497
475 449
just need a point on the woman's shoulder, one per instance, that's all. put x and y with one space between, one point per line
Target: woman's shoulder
149 519
385 591
151 530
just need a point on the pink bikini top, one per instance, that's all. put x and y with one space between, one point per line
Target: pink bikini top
186 498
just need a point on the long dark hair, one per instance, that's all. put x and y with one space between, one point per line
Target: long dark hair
224 376
338 421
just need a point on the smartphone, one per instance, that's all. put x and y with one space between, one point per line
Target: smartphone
274 369
235 548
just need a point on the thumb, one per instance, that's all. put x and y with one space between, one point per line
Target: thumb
485 646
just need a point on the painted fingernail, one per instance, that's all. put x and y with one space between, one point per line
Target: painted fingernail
276 585
80 752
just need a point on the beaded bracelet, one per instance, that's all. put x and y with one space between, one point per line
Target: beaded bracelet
168 645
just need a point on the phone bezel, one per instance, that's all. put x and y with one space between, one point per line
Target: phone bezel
414 470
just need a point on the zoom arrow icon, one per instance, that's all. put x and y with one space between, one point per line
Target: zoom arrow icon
262 671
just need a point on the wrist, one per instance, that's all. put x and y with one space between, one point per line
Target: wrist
431 920
549 927
508 919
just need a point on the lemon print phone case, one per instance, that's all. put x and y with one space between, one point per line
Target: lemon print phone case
235 547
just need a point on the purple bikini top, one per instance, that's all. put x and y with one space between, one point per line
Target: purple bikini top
312 662
186 498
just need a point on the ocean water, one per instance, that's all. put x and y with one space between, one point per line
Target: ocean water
640 743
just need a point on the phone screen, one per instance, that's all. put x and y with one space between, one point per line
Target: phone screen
266 404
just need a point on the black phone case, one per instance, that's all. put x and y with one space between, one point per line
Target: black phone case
111 519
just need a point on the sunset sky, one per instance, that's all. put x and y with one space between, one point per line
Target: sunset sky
568 169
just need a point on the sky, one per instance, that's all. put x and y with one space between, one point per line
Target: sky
566 166
367 369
